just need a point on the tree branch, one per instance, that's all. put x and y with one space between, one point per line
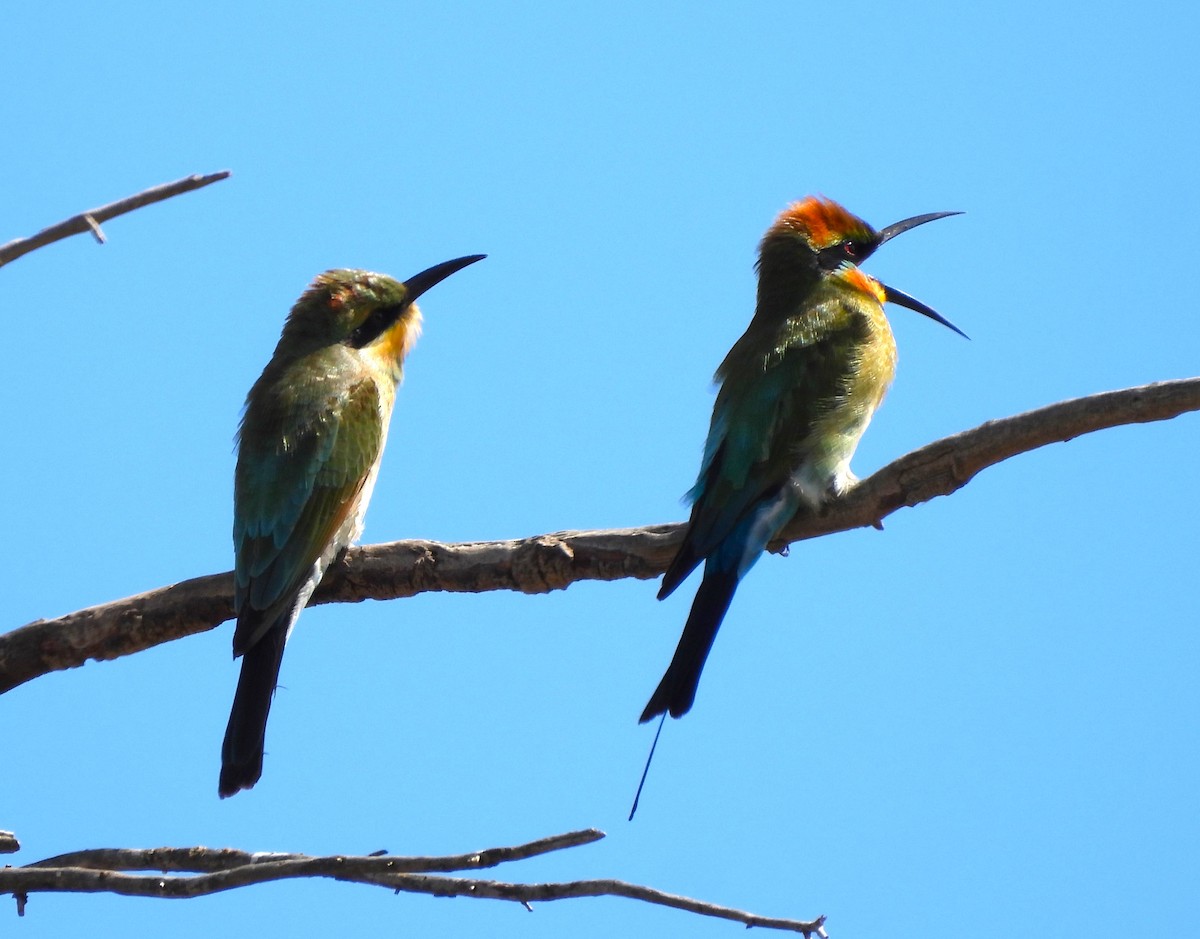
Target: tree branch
91 219
210 860
211 871
554 561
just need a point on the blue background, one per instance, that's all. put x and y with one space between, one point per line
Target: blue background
980 722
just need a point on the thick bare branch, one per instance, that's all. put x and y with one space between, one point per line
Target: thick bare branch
90 220
554 561
103 870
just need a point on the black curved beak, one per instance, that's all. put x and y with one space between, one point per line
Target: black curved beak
899 297
419 283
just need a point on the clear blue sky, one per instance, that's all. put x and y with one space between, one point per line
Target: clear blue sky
980 722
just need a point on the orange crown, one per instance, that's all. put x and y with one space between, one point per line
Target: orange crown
822 221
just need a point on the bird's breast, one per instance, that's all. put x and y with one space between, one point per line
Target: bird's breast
869 371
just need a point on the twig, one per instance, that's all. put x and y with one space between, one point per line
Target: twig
554 561
103 871
91 219
9 843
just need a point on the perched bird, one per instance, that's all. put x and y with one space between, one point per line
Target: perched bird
309 448
797 391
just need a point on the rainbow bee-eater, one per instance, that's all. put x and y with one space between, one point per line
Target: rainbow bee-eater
797 390
309 448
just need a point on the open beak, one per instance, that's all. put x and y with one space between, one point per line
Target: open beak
899 297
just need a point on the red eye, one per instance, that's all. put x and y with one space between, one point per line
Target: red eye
850 250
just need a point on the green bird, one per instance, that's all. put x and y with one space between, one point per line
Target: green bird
309 448
797 390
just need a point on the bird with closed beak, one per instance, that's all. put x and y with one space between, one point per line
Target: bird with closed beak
309 448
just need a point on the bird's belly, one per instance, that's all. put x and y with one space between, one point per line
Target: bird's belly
824 470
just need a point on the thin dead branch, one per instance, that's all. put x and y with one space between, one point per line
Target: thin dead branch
208 871
90 220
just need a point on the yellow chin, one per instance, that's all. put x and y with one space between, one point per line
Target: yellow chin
396 342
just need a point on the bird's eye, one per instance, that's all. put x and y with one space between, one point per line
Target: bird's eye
834 256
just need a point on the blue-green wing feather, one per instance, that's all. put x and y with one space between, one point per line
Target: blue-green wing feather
307 449
773 390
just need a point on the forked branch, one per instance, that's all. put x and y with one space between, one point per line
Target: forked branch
195 872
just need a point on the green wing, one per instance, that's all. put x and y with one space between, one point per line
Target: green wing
303 458
773 389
